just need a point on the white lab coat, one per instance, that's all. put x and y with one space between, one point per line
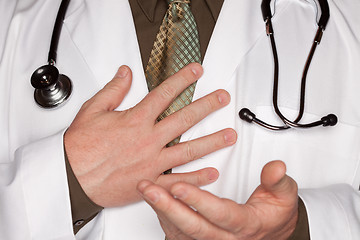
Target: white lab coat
99 36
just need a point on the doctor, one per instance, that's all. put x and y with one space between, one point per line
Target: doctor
324 162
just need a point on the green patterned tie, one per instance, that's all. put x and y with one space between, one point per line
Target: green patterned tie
176 45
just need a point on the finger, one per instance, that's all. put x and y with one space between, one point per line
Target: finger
180 215
199 178
190 115
110 97
171 231
162 96
275 180
142 185
185 152
224 213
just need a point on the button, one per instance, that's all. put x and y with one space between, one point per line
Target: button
79 222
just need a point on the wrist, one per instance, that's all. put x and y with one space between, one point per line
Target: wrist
83 209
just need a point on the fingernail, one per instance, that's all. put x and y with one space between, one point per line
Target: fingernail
194 71
213 175
153 196
223 97
230 137
180 193
122 72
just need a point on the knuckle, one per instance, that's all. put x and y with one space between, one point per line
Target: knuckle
86 105
115 88
186 76
194 229
167 91
210 103
190 152
188 117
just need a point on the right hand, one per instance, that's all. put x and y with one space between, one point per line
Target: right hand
111 151
186 212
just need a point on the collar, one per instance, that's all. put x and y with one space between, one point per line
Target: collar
148 7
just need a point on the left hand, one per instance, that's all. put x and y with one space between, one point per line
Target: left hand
270 213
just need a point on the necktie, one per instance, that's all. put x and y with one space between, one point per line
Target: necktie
176 45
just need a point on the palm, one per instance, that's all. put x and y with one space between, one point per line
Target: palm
264 206
270 212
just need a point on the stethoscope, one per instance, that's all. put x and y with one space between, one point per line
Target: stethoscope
53 89
329 120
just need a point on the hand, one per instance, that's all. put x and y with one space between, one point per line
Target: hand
270 213
111 151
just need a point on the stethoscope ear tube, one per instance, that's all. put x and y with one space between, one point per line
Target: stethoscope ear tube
266 10
248 116
324 7
325 14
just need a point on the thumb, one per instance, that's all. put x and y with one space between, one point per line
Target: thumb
111 96
275 180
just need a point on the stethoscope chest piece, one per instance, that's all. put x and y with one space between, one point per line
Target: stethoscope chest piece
51 88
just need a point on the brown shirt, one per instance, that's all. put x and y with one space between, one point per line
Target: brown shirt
148 15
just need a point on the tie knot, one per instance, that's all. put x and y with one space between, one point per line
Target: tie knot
177 9
178 1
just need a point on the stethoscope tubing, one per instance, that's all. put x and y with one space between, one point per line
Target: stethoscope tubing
57 31
52 89
303 85
47 79
330 119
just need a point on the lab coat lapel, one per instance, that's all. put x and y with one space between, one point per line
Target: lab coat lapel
104 33
233 36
